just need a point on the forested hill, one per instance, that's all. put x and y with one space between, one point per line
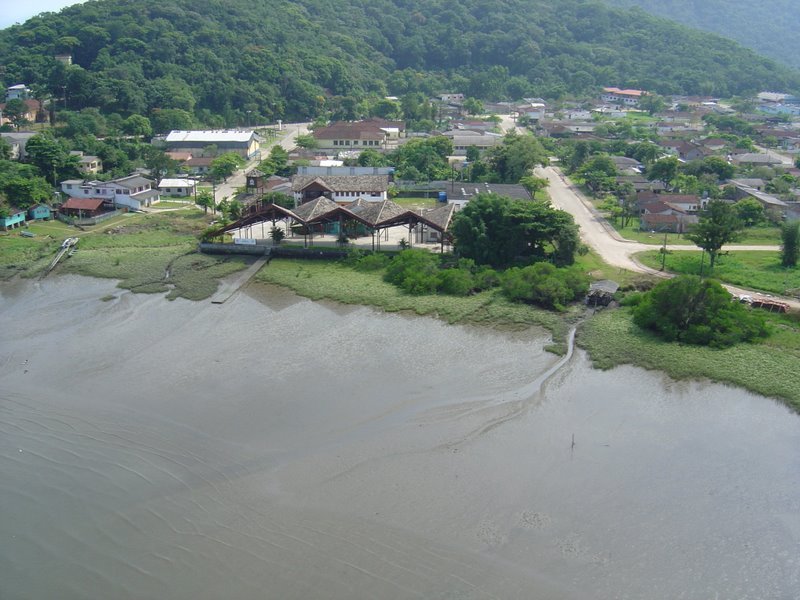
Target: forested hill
222 59
768 26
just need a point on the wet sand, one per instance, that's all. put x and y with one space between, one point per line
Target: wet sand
273 447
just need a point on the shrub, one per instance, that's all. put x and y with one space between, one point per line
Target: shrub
544 285
696 311
371 262
456 282
410 261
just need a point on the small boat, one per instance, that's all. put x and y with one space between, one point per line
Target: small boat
27 234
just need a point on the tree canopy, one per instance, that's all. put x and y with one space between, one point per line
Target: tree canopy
497 231
718 225
227 62
697 311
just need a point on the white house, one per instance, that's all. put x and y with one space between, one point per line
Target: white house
464 138
624 97
176 187
17 92
134 191
244 143
340 188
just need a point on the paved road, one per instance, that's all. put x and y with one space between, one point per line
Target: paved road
237 180
603 239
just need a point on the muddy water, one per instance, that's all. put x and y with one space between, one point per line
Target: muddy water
273 447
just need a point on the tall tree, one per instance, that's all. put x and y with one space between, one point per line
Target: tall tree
534 184
16 111
790 244
718 225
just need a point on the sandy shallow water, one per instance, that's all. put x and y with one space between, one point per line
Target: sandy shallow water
273 447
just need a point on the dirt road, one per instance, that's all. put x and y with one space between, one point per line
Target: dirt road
603 239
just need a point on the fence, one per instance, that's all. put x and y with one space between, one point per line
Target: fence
90 220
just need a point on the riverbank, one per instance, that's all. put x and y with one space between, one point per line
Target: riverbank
768 368
150 253
609 336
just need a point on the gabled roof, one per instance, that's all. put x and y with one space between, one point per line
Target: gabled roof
343 183
83 203
209 137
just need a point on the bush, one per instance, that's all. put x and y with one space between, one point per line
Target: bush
371 262
544 285
456 282
696 311
410 261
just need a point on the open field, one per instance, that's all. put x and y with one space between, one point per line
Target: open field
750 269
768 368
753 236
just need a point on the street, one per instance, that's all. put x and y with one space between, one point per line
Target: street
290 132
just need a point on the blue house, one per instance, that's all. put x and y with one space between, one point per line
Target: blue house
15 218
39 212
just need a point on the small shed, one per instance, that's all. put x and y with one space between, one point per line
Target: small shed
39 212
601 293
14 219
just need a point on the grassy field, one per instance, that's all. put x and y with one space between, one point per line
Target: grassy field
750 269
148 253
769 368
754 236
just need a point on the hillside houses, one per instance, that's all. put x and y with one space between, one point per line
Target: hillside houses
134 191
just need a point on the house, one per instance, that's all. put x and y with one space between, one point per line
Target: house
756 159
465 138
88 164
18 141
64 59
340 188
39 212
768 201
625 97
457 99
177 187
198 165
18 92
641 184
33 112
684 150
376 134
757 184
246 144
665 216
15 218
685 203
630 166
134 191
714 144
83 208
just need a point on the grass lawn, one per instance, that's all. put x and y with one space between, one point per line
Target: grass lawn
174 203
753 236
751 269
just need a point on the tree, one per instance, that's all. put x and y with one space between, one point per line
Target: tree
697 311
277 234
515 157
205 200
137 125
5 149
51 157
534 184
545 285
279 199
718 225
307 141
371 158
652 103
159 164
16 111
225 165
497 231
167 119
664 170
473 106
599 173
473 154
790 244
750 211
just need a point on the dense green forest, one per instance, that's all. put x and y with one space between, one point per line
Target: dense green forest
222 62
767 26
